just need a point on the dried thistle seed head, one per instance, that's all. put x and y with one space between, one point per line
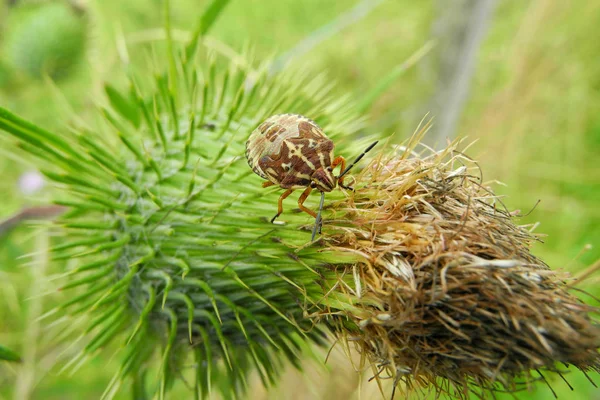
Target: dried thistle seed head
447 292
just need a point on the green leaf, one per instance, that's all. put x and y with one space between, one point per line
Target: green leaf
207 19
8 355
126 107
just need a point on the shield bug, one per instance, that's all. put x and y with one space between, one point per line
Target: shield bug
292 151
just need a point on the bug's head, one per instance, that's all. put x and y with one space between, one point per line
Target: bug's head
323 179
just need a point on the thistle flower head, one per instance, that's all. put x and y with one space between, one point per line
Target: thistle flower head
446 293
173 255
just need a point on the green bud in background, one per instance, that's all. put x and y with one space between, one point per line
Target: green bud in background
46 38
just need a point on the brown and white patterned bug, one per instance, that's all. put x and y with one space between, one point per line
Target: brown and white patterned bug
292 151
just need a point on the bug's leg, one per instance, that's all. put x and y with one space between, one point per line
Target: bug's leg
280 206
318 220
267 184
346 187
302 199
339 160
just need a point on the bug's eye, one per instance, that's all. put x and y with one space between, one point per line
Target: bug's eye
313 185
329 168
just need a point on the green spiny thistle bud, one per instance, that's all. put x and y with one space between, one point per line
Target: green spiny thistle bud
44 39
171 228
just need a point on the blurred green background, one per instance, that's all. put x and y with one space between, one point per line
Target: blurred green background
532 106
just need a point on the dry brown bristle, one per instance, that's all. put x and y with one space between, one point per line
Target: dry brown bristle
447 295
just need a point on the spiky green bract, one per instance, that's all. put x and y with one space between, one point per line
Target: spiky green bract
44 39
170 228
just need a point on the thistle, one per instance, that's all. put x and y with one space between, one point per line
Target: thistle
446 286
170 227
175 257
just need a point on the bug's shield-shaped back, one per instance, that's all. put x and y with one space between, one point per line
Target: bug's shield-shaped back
270 147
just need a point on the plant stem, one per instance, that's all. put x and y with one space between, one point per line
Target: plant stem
461 29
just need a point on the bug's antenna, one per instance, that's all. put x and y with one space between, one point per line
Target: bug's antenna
344 172
318 220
